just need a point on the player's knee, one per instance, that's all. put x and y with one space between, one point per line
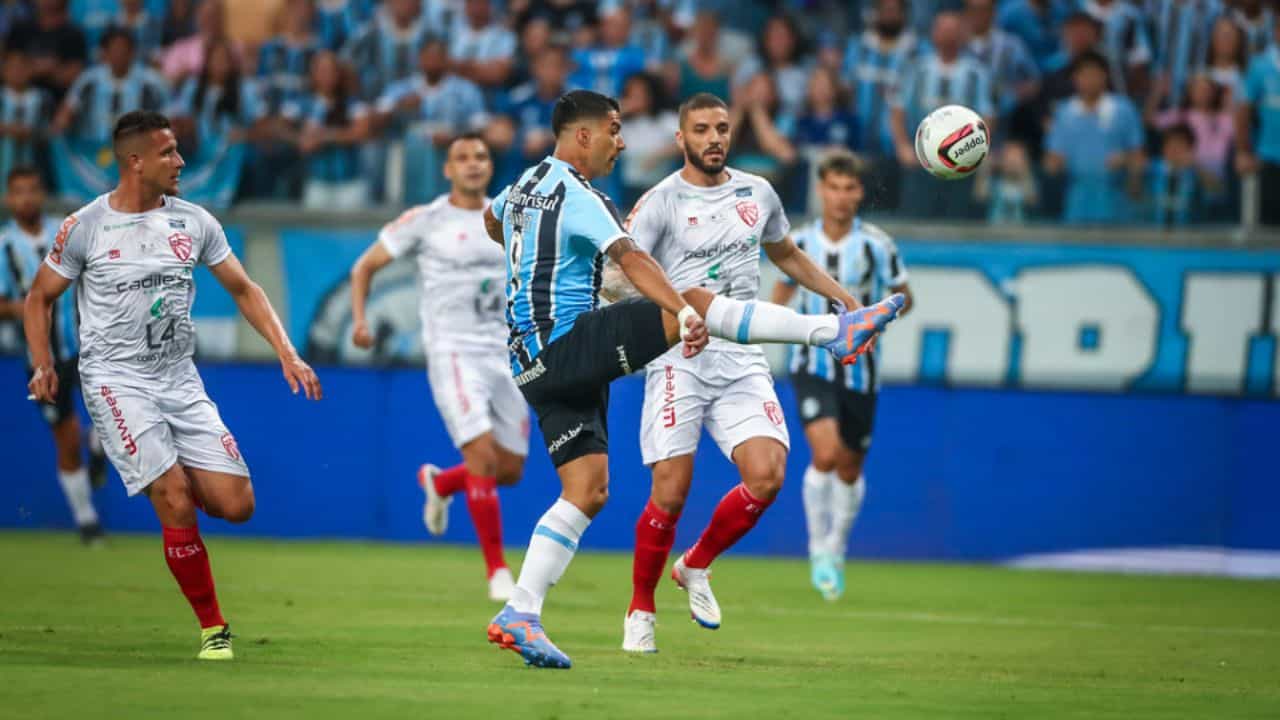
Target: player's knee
764 480
237 506
669 499
824 459
173 502
849 468
481 458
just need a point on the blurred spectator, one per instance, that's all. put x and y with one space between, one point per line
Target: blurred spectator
1174 182
568 16
185 57
1181 32
874 64
1015 77
331 121
25 111
179 22
337 21
1258 149
131 15
703 66
607 64
55 47
652 28
284 60
535 36
1081 33
650 134
1208 114
1095 139
825 121
525 120
779 52
1228 57
1009 189
437 102
1257 22
1037 23
108 90
1124 44
480 48
760 145
385 50
13 12
218 107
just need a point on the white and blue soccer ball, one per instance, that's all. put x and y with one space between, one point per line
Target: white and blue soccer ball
952 142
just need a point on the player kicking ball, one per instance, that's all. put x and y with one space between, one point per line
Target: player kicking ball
705 225
132 251
464 335
837 403
557 231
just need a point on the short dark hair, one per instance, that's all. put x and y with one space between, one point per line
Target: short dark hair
137 122
469 135
22 171
841 162
1090 57
700 101
1179 130
579 104
115 32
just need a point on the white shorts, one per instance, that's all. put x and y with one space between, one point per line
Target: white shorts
145 431
678 402
475 394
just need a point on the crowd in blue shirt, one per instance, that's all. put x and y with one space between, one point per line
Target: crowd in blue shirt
347 103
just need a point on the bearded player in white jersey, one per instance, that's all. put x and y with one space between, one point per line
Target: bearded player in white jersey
133 251
705 224
464 336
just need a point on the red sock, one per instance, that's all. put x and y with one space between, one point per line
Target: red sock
486 515
451 481
655 534
189 562
737 513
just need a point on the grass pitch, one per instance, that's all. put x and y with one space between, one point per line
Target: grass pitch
348 630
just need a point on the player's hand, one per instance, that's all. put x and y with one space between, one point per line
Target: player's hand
44 384
695 336
361 336
1246 163
300 375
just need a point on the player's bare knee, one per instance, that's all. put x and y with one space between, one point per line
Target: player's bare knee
239 506
481 457
764 482
849 467
173 502
824 459
670 488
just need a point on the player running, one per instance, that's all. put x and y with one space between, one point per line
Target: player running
464 335
132 251
557 230
838 402
705 224
24 241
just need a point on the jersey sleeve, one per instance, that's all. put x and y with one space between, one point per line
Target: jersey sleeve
7 273
499 202
70 249
592 217
400 236
216 248
888 262
648 222
777 225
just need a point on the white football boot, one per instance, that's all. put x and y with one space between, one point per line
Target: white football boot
435 511
703 607
638 632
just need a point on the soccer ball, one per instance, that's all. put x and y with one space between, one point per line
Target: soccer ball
951 142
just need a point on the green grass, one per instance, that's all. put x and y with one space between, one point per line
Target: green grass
363 631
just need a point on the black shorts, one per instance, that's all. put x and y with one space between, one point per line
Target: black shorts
567 385
854 412
68 383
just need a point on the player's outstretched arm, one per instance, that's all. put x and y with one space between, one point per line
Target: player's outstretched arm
45 290
798 266
493 225
256 308
374 259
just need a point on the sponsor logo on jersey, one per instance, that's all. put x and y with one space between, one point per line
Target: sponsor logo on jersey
122 427
531 374
809 408
774 412
749 212
60 240
157 307
713 272
742 192
176 224
120 226
719 249
623 362
565 438
534 201
113 254
229 444
180 243
156 280
693 221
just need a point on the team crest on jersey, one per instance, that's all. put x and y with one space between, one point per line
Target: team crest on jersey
749 212
180 243
229 444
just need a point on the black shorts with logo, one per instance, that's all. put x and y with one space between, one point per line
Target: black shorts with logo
567 385
63 406
854 412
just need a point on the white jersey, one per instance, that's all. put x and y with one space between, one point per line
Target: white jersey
463 275
710 237
135 286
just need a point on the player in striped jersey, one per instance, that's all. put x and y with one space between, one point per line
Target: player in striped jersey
837 402
24 241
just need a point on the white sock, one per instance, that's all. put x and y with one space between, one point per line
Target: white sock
75 485
846 501
817 500
756 321
554 541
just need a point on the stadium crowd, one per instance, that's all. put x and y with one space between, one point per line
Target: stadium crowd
1102 111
